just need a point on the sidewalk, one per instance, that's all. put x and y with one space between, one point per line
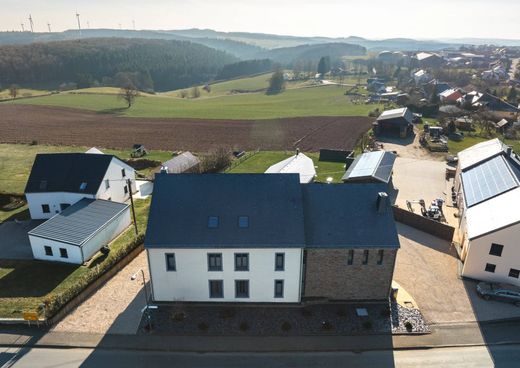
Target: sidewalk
469 334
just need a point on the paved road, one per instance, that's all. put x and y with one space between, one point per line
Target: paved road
501 356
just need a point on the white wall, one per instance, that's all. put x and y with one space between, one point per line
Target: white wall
478 255
116 192
53 199
107 234
37 246
191 280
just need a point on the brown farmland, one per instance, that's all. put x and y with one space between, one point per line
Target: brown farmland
62 126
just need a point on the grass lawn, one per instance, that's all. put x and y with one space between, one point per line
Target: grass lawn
22 92
312 101
468 141
262 160
24 285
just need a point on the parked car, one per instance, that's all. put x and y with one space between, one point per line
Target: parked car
501 292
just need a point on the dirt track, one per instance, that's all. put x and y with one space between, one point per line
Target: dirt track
52 125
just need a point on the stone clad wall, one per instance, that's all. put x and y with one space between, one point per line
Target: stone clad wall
327 275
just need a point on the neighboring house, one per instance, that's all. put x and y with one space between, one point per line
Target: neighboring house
427 60
185 162
371 167
451 95
421 76
487 184
80 231
297 164
395 122
269 239
59 180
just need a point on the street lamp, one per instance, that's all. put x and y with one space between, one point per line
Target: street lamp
147 307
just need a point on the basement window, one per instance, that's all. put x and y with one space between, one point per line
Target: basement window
365 257
514 273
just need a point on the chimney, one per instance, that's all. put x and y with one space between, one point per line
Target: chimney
382 200
509 150
164 169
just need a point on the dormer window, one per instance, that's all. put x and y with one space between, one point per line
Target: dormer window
83 186
243 222
213 222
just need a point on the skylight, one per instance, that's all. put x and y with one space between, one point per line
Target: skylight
83 186
213 222
243 222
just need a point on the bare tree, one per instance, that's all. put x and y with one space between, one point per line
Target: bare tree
195 92
216 160
128 93
13 91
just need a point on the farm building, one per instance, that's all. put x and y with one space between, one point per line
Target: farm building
371 167
427 60
268 238
450 95
395 122
59 180
185 162
77 233
297 164
487 185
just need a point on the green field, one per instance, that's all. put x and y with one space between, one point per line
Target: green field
298 102
261 161
22 92
24 285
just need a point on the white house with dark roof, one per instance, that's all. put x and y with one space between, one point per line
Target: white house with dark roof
487 184
59 180
267 238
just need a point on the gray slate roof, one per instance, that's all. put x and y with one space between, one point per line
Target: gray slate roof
345 216
377 165
78 223
282 213
182 204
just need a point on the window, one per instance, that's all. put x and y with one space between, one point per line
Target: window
216 289
48 250
365 257
278 288
125 188
83 186
170 262
514 273
123 173
213 222
350 258
46 208
490 267
241 262
243 222
64 253
496 250
107 184
242 288
279 261
64 206
380 254
214 261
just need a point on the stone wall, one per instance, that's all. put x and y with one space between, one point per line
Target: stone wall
327 274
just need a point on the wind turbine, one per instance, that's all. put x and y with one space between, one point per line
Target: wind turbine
31 23
49 27
23 27
79 23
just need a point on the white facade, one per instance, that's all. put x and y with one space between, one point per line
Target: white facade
297 164
112 188
75 253
190 281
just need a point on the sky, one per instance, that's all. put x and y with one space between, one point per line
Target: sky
375 19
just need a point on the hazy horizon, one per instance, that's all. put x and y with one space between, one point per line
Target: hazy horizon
379 19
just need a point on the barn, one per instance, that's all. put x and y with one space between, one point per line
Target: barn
395 122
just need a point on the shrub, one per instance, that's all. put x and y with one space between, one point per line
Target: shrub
227 313
216 161
203 326
286 326
178 316
306 312
326 325
374 113
244 326
408 325
367 325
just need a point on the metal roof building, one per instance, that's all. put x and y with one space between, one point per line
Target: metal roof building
185 162
374 166
297 164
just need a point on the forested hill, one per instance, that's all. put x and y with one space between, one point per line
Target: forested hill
287 55
158 64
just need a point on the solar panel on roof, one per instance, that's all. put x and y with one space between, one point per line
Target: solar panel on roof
487 180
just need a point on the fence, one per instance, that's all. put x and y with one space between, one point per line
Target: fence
422 223
240 160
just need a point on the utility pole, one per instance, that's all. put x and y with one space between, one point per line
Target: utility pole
129 184
31 23
23 27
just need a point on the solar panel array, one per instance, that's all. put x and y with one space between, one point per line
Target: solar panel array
488 180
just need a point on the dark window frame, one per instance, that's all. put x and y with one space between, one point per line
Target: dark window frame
380 256
107 184
490 267
169 267
241 268
64 206
350 257
496 250
366 255
48 250
123 172
245 295
514 273
281 295
211 296
276 266
125 189
46 208
215 268
64 253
